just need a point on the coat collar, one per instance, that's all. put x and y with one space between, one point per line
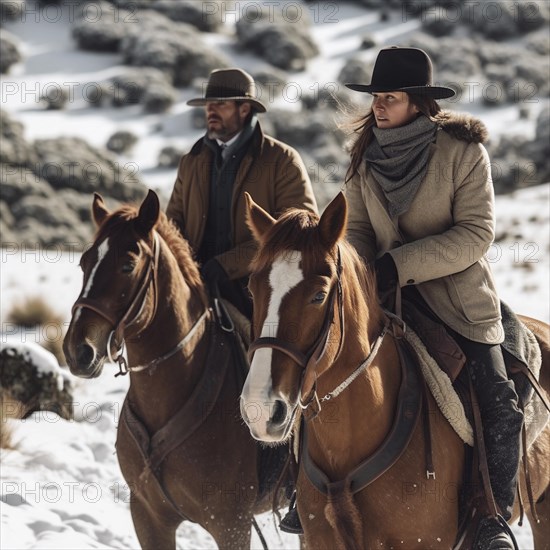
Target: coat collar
462 126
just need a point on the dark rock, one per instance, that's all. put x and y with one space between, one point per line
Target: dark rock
495 20
121 142
130 88
38 389
174 48
14 150
73 163
101 27
158 97
11 11
538 42
270 85
5 214
55 97
9 52
46 211
80 204
368 42
205 16
532 15
282 38
169 157
17 182
356 71
438 26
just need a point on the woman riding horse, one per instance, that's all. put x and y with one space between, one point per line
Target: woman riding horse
422 211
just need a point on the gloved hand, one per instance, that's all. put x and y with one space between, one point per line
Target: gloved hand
213 274
387 280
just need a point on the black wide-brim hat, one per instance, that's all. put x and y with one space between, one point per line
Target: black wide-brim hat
403 70
230 85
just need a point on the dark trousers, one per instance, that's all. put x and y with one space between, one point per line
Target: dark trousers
500 415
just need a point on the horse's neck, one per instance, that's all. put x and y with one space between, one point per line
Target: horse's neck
354 424
157 393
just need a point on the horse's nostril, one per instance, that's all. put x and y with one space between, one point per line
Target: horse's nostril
279 412
85 354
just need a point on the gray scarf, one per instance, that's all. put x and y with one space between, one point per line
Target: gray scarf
398 159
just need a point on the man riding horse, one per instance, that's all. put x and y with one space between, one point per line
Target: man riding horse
234 157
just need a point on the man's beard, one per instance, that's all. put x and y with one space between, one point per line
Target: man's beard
224 132
220 133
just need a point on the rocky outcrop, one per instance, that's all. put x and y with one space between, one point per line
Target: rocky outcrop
282 37
31 375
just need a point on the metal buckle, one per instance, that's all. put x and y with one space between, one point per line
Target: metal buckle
309 412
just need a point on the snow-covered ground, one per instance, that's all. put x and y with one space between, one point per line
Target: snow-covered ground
61 487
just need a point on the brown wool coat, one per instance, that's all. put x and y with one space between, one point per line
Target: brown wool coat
271 171
440 242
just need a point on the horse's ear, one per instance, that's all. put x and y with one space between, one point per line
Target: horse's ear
149 213
99 210
257 218
333 222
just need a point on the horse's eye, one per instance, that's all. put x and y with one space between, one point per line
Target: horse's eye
128 267
319 298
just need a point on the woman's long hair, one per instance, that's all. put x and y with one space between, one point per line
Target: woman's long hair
363 127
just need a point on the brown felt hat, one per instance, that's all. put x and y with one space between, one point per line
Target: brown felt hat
230 85
403 70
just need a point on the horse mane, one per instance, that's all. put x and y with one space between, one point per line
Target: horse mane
298 230
180 248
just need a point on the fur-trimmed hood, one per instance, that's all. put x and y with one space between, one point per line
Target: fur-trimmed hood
462 126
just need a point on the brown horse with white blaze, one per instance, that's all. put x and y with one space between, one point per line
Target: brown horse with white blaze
316 320
181 444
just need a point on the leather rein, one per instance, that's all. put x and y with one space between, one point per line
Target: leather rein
148 279
308 398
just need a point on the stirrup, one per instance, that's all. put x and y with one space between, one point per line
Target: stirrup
291 522
494 534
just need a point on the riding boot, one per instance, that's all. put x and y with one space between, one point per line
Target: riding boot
291 522
502 421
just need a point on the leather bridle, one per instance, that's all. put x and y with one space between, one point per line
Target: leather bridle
148 279
308 361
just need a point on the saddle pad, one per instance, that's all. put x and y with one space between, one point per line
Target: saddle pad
450 405
442 390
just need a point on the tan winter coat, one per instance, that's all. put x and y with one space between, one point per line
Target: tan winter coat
271 171
440 243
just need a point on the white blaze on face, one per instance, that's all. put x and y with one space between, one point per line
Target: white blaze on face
102 250
285 274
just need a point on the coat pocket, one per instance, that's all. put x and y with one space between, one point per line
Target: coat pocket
473 292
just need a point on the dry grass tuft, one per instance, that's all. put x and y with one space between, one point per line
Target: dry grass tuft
10 408
32 312
35 311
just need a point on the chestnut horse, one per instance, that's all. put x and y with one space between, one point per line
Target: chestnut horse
181 443
316 319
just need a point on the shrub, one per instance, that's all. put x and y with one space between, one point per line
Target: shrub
32 312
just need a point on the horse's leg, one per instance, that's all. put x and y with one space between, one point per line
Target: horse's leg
541 530
152 533
233 537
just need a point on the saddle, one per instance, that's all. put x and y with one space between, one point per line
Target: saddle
520 349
